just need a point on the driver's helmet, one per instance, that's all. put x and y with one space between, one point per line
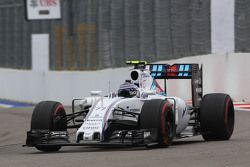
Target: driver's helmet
128 89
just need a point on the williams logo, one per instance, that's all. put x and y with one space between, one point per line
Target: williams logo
135 110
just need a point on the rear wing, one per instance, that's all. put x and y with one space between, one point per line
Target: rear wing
176 71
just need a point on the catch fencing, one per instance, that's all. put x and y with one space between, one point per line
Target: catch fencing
242 25
97 34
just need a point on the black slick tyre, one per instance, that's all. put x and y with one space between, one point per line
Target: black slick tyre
49 115
217 117
158 117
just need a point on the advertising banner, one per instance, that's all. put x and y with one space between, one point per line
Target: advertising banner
43 9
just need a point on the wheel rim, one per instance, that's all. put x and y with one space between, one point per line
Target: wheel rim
57 121
229 116
166 125
170 125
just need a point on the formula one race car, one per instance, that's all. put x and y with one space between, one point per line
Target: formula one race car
138 114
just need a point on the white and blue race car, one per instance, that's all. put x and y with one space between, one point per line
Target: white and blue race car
138 114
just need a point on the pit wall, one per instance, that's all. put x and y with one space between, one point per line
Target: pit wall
227 73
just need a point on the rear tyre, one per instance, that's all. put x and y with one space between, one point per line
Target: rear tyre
158 117
217 117
49 115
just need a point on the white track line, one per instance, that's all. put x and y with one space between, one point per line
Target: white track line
6 106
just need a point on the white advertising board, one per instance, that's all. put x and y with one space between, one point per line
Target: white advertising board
43 9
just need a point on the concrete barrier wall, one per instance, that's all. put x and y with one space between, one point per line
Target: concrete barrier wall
221 73
226 73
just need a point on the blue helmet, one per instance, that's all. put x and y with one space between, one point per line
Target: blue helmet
128 90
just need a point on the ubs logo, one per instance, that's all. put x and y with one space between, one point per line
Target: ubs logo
34 3
48 3
43 3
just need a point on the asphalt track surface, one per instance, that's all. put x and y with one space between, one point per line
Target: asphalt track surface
14 122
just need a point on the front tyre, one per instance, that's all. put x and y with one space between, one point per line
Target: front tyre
49 115
217 117
158 117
